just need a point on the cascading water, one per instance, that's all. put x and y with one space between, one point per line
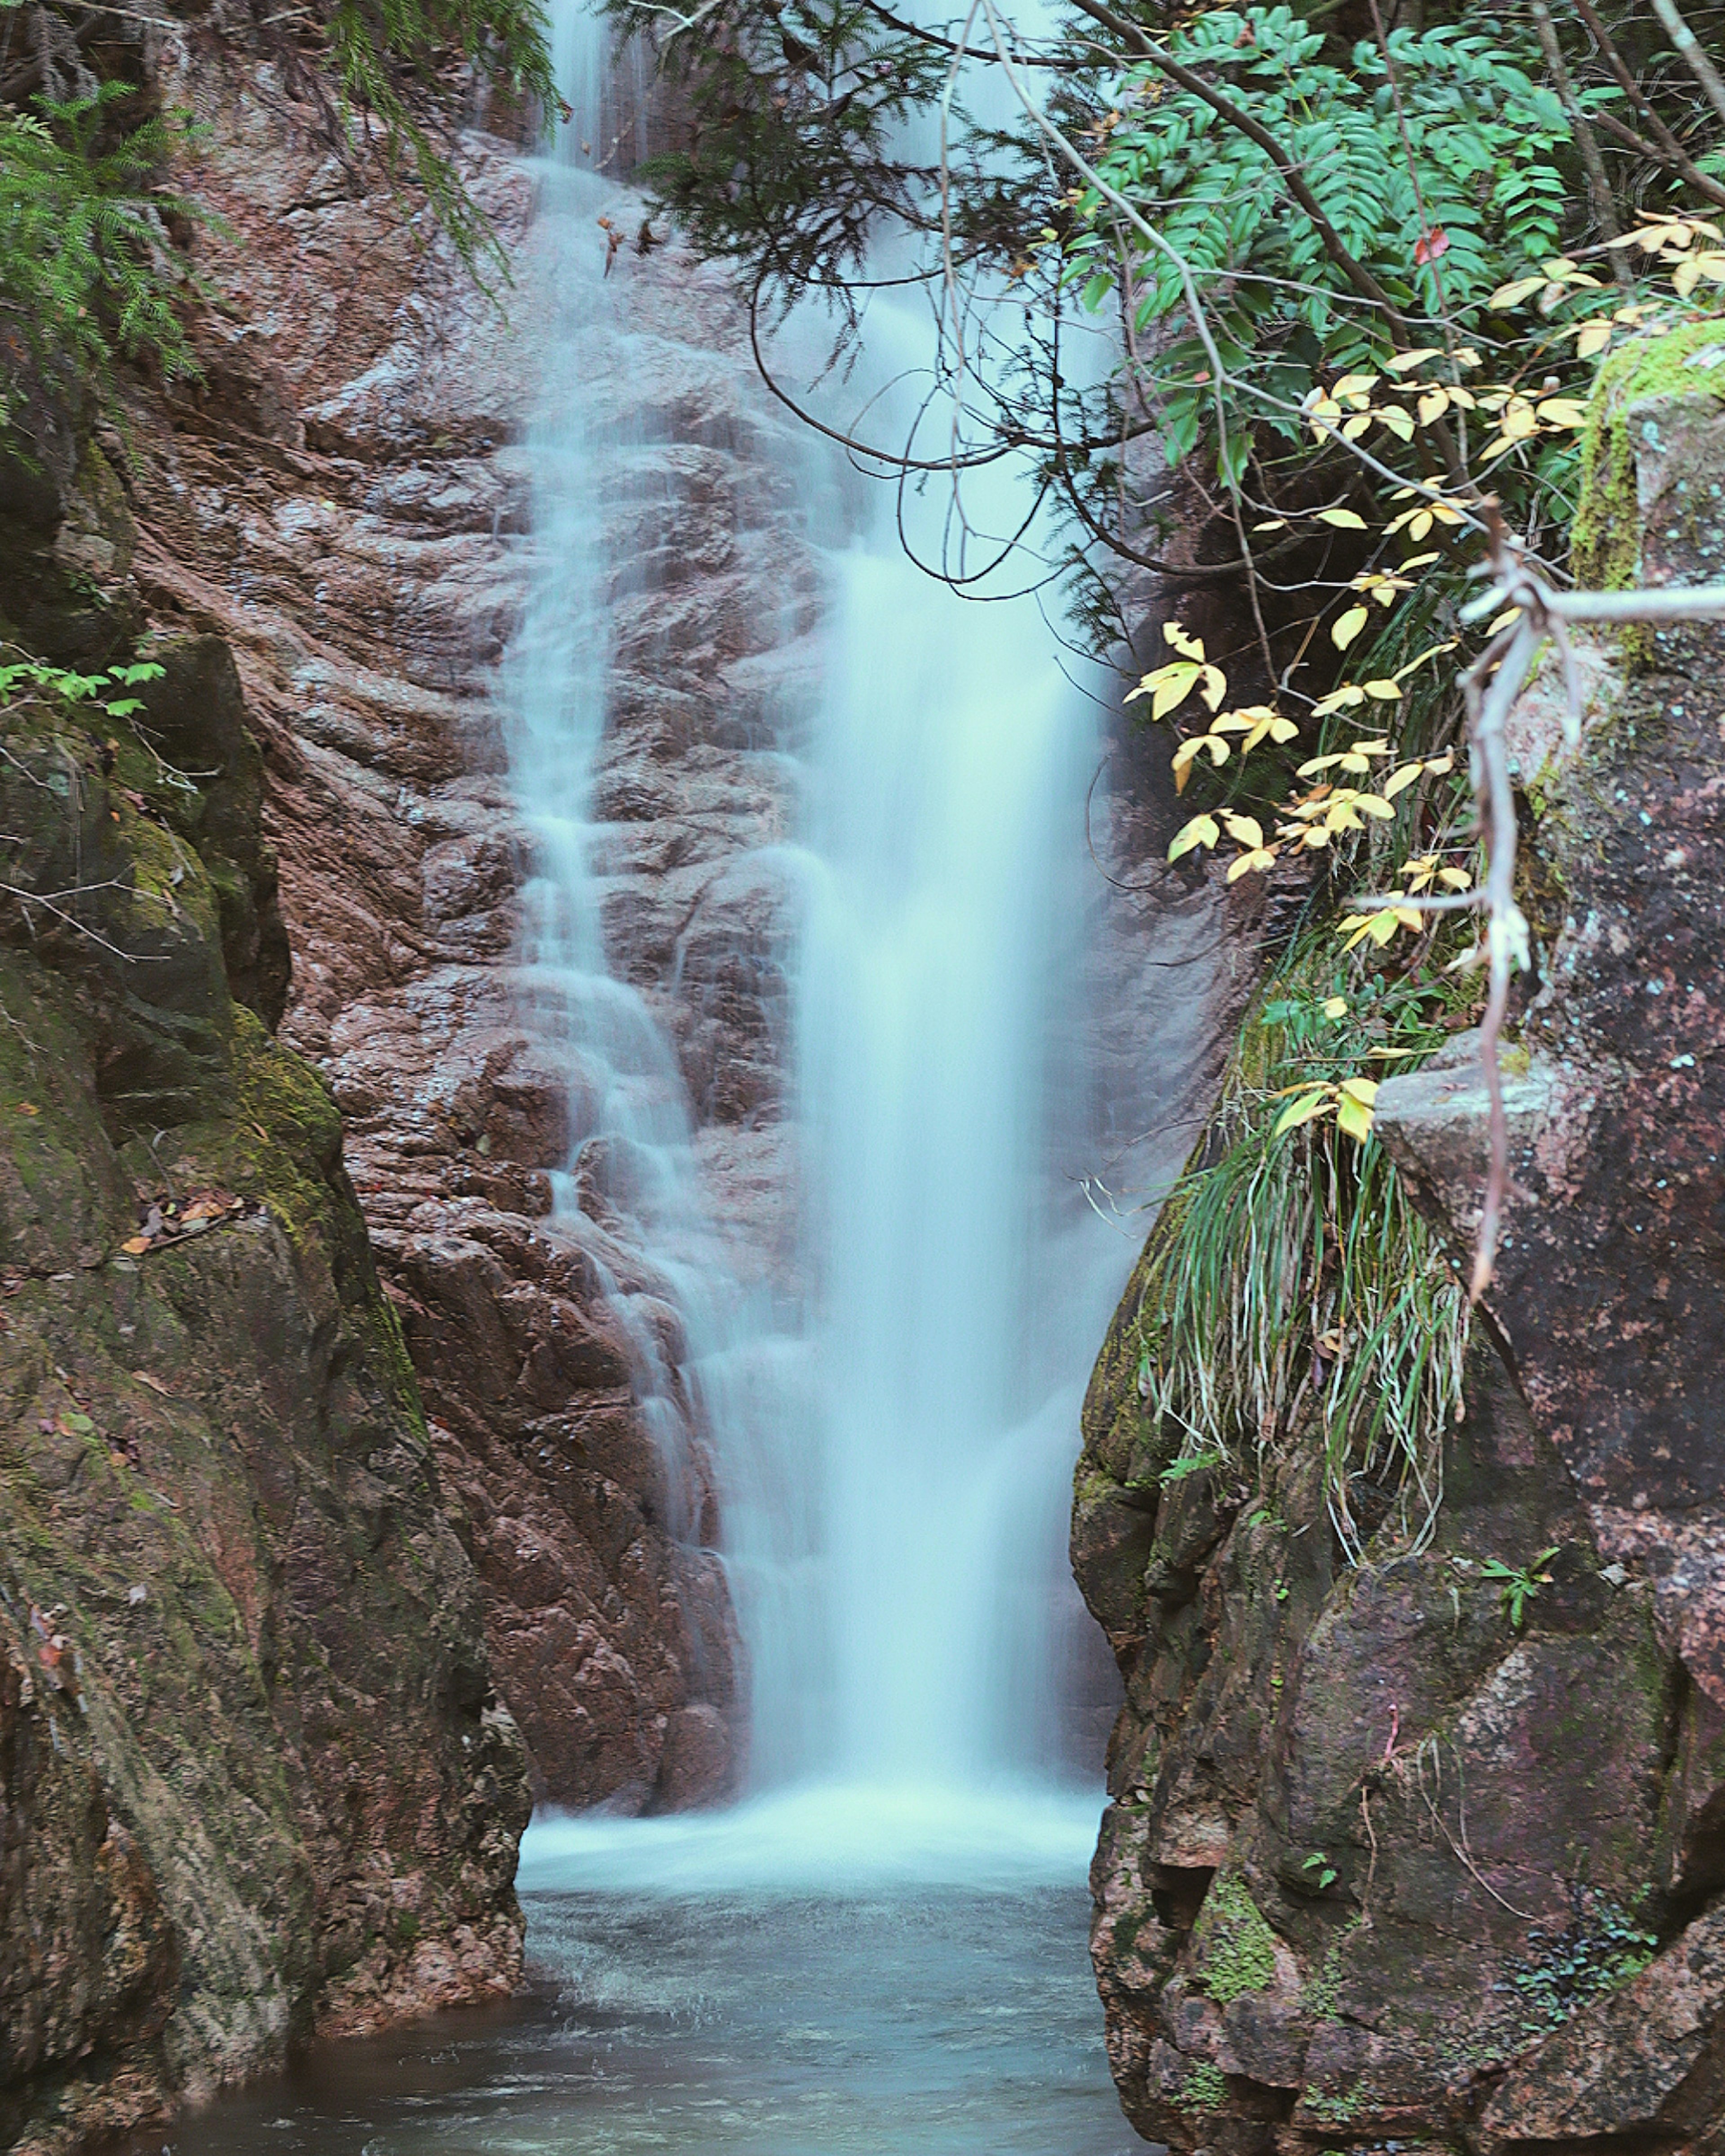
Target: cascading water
880 1951
894 1479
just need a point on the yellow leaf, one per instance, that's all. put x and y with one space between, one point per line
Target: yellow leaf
1562 412
1201 831
1352 428
1247 830
1419 523
1335 1006
1502 620
1385 691
1354 1116
25 1108
136 1246
1383 927
1374 806
1342 698
1404 775
1344 520
1344 631
1319 763
1512 295
1685 276
1431 651
1456 879
1354 386
1303 1110
1191 646
1593 338
1363 1090
1342 817
1314 835
1405 362
1272 524
1212 687
1464 399
1399 422
1261 857
1433 405
1440 764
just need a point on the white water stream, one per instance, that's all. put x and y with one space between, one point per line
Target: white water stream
894 1467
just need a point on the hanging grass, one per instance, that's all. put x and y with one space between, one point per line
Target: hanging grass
1294 1296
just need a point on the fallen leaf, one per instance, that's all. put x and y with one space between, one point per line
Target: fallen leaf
156 1385
136 1246
25 1108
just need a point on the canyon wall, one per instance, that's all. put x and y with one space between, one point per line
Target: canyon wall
1395 1857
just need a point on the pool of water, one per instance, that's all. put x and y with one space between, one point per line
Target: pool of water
759 1984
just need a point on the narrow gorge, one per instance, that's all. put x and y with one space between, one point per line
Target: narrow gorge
616 921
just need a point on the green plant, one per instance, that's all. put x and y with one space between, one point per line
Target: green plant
1235 1949
1437 183
72 688
1293 1293
87 269
1322 1870
1602 1947
1204 2089
1519 1584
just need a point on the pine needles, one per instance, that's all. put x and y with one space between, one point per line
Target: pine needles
1294 1294
384 54
87 269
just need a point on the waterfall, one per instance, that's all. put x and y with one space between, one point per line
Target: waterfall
894 1461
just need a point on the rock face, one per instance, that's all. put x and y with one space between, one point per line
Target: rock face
1384 1864
347 501
254 1776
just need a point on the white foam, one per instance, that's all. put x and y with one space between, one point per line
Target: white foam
825 1838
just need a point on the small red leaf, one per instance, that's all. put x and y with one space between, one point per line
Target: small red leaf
1431 246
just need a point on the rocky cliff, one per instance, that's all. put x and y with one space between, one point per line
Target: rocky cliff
1402 1853
345 501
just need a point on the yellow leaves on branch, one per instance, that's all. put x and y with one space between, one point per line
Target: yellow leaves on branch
1351 1103
1677 244
1168 687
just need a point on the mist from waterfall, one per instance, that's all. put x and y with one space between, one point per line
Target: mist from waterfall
893 1458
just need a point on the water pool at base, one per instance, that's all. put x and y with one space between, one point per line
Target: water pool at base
743 1986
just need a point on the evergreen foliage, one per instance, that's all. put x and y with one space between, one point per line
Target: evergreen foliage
385 54
87 268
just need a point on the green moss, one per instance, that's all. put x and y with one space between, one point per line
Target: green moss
1203 2088
1235 1947
1322 1991
1606 540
